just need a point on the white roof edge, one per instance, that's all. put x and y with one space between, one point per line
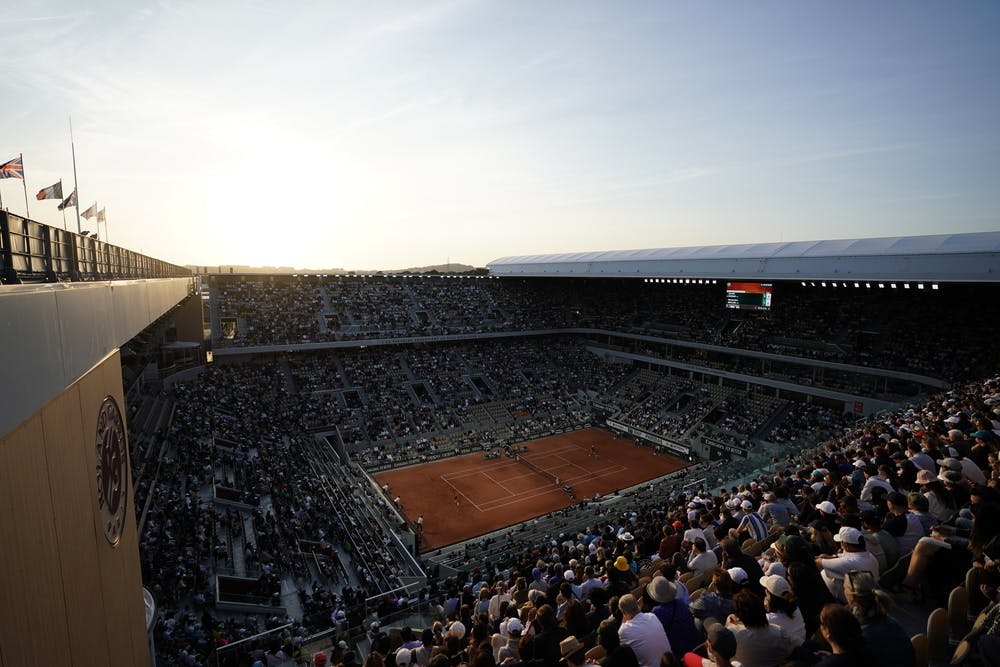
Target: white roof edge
969 257
936 244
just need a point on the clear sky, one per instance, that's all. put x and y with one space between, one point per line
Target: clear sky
388 135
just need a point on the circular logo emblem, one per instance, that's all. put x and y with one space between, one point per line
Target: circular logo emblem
112 470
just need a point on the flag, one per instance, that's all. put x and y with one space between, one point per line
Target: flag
100 216
51 192
69 201
90 212
12 169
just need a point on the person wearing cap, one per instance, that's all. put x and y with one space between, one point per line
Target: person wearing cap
733 556
967 467
751 523
403 657
940 502
828 513
642 632
887 642
514 629
853 557
620 577
573 652
659 596
782 610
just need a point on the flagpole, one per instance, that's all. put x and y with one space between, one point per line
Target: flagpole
24 182
76 187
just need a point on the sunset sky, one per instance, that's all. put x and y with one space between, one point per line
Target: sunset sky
389 135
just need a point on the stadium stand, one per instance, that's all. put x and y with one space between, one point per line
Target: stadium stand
258 534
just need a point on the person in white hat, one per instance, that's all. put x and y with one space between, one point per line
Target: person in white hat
782 609
509 649
752 523
854 556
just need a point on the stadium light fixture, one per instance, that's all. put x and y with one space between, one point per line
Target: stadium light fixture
906 285
822 284
881 285
934 286
920 285
892 285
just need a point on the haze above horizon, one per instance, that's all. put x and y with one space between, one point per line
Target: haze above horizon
376 134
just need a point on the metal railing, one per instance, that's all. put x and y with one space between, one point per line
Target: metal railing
33 252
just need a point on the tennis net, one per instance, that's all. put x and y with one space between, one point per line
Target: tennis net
540 471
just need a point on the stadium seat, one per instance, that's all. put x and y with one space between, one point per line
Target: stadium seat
958 613
937 637
919 649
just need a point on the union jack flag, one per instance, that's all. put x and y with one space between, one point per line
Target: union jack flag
12 169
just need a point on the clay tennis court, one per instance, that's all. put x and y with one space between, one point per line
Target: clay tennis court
499 492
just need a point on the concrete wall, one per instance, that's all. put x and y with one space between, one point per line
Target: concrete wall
67 595
51 334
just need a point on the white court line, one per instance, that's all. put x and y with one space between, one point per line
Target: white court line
492 505
541 491
487 476
459 492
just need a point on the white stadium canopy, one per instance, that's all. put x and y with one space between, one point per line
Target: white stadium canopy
973 257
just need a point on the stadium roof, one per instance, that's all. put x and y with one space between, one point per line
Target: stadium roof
973 257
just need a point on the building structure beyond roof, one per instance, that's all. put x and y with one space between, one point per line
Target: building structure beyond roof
970 257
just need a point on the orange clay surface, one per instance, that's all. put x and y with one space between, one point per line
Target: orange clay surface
499 492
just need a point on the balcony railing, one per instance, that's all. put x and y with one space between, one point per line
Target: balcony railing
33 252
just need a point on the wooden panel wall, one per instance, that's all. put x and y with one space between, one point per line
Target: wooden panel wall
67 596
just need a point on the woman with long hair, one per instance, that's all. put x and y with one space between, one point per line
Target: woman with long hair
887 642
782 610
939 500
575 622
811 593
842 631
